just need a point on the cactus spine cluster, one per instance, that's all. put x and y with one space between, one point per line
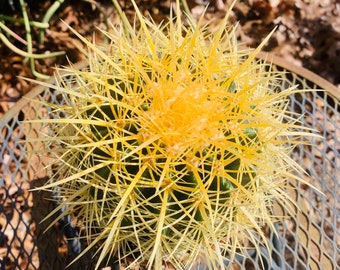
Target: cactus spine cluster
172 145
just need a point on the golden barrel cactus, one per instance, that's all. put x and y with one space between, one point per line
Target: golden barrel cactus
173 145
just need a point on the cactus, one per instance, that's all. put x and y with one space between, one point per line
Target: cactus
172 145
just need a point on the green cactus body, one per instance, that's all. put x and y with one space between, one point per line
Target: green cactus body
175 144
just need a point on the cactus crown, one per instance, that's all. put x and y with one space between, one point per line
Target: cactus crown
173 144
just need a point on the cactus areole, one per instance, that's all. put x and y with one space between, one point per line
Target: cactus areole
172 145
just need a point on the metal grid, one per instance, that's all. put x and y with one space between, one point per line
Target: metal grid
306 239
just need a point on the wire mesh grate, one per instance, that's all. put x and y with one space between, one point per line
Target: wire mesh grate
307 239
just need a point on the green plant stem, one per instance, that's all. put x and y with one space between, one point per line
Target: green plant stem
29 41
13 34
48 16
18 20
26 54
